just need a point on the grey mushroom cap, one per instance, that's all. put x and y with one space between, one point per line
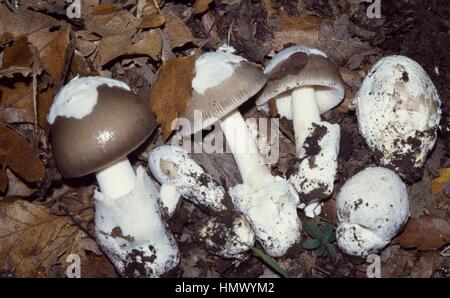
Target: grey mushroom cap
300 67
216 102
118 124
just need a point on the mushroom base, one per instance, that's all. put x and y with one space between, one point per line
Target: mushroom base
272 211
131 231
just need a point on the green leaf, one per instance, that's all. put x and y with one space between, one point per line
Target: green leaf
331 251
311 244
328 233
320 251
270 261
313 230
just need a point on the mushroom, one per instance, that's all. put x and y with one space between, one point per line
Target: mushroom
96 122
372 207
398 114
228 235
179 173
305 84
223 82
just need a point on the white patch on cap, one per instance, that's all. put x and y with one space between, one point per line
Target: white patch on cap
286 53
211 69
78 98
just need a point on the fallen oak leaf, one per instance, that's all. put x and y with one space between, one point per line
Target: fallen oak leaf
440 183
152 21
201 6
18 54
177 29
302 30
112 24
23 22
172 91
107 8
112 47
16 154
425 233
33 242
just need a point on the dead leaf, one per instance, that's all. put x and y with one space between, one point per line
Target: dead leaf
112 24
18 54
152 21
302 30
178 31
425 233
112 47
55 50
440 183
56 55
107 8
16 187
420 195
34 242
172 91
23 21
3 179
15 152
202 6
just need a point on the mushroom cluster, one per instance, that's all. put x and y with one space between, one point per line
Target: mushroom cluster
222 83
96 122
88 137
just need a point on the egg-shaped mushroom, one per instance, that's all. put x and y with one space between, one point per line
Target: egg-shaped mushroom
398 114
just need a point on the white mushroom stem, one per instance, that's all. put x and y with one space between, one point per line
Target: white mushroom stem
117 180
244 150
305 111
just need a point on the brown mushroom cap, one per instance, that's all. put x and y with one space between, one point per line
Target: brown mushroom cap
301 69
118 124
216 102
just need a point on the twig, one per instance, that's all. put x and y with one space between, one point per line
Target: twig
35 68
155 2
230 32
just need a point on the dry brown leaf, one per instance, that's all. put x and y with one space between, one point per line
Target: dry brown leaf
152 21
172 91
34 242
16 104
18 54
11 71
23 21
177 29
425 233
440 183
202 6
112 24
55 50
107 8
118 45
3 179
17 59
56 55
16 187
302 30
15 152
